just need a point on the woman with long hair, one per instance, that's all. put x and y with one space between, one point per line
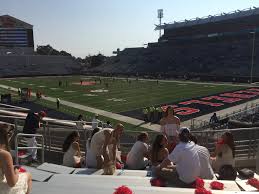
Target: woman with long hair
11 180
225 151
71 148
90 157
159 151
170 125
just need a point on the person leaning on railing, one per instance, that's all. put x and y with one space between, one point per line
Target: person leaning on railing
11 180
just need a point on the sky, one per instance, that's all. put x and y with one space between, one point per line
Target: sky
84 27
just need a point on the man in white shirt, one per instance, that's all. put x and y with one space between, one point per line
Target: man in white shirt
206 171
186 162
205 161
137 158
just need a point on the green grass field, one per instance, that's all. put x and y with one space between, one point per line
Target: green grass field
120 95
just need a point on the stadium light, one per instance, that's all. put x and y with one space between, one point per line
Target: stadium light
252 61
160 15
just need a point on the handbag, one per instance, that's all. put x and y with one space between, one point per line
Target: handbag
227 172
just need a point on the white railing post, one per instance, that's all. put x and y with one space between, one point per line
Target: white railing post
17 147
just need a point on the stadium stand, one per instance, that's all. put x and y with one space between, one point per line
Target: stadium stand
50 178
17 57
36 65
217 46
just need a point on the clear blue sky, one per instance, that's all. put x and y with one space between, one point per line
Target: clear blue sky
85 27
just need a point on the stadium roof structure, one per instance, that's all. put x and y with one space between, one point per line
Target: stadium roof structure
7 21
210 18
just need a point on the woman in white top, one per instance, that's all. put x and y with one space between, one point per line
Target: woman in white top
170 125
100 145
225 152
11 181
137 158
72 156
90 156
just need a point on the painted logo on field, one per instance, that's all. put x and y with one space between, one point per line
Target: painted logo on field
195 107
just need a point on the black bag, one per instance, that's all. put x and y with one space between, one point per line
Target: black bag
227 172
246 173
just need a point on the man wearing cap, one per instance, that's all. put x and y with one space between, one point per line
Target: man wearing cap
31 125
186 161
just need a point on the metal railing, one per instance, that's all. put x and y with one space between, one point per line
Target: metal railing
54 134
17 147
249 109
55 131
246 140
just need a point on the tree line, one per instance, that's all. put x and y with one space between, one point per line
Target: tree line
90 60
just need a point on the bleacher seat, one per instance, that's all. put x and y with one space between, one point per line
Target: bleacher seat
54 168
105 180
98 188
38 175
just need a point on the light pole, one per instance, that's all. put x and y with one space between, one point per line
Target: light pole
253 52
160 15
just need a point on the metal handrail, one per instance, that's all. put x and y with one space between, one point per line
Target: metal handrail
206 137
17 147
200 124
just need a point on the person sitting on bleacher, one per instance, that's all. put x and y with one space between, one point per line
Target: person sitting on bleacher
225 152
205 161
137 158
159 151
90 157
186 160
71 148
11 180
100 145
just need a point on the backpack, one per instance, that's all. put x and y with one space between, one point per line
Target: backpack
227 172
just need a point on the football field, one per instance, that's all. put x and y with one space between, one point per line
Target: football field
117 95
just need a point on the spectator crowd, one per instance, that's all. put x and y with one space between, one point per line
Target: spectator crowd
174 155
